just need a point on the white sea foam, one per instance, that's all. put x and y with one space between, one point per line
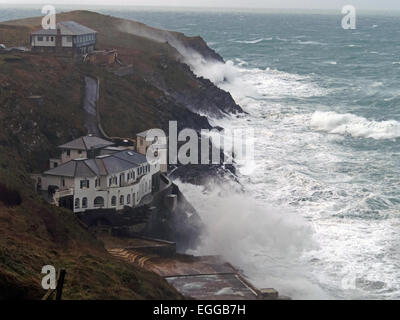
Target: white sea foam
350 124
311 42
253 41
256 83
297 167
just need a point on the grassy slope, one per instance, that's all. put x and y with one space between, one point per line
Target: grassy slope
139 101
35 234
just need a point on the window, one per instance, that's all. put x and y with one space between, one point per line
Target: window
84 202
68 38
80 151
47 39
128 199
133 198
55 164
110 182
52 39
40 38
68 153
63 182
114 201
84 184
99 202
77 205
121 200
97 183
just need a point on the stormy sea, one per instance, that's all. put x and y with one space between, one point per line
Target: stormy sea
319 216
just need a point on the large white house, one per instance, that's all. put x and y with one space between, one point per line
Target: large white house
68 36
94 174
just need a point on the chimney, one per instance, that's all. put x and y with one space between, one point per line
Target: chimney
58 37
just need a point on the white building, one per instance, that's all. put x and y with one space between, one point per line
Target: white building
92 174
142 145
68 36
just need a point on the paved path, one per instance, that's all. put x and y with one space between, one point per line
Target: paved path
90 106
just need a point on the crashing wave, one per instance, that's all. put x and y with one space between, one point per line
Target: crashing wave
355 126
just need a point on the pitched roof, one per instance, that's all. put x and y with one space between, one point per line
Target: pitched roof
143 133
68 28
131 156
86 143
73 168
101 166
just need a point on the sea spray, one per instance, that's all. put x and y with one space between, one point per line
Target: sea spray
266 242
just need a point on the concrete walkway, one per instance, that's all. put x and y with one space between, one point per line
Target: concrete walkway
198 277
90 106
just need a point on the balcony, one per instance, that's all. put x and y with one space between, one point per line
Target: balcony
63 193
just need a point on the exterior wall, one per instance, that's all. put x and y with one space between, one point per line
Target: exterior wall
66 41
85 40
82 43
61 182
73 154
142 145
54 163
135 192
47 41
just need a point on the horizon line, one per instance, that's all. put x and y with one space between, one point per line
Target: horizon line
11 4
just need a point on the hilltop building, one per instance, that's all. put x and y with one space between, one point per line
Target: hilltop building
92 173
69 36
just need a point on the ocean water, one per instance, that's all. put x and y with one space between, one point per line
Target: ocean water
319 217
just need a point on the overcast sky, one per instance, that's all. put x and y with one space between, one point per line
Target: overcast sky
304 4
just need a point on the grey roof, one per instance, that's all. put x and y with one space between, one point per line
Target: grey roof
131 156
111 150
101 166
87 143
142 134
73 168
68 28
